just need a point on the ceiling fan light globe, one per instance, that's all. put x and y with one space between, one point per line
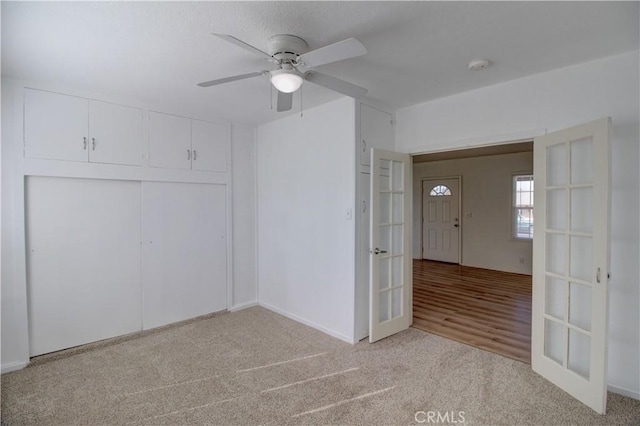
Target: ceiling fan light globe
286 82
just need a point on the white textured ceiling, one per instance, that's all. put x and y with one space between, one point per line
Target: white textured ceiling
156 52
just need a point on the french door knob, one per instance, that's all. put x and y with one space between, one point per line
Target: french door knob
378 251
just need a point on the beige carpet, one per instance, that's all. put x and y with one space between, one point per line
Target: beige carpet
256 367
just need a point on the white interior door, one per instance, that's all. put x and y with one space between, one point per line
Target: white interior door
440 220
390 289
571 260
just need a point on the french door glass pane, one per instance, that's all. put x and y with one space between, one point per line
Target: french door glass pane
385 175
397 176
581 161
396 239
396 302
581 210
556 209
580 305
579 353
554 341
555 297
580 263
383 305
556 165
396 267
385 207
554 253
384 272
398 204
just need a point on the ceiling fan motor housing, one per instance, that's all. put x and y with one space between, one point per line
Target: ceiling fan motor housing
285 47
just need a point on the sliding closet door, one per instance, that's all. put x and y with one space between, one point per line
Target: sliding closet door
83 261
184 251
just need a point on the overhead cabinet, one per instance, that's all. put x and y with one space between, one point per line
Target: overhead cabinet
62 127
376 131
183 143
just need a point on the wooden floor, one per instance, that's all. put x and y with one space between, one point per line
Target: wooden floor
490 310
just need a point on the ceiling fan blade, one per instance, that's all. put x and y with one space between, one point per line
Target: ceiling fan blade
349 48
229 79
285 101
336 84
245 46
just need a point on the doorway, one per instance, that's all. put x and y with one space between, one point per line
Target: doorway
481 293
441 219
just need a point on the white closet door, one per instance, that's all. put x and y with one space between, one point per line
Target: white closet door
83 260
210 144
116 134
184 252
55 126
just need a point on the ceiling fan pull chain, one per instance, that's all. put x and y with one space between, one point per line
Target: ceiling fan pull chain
271 96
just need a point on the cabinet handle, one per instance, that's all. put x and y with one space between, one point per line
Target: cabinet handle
84 142
195 155
93 144
188 154
364 145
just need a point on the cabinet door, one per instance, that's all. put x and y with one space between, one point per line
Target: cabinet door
83 260
115 134
210 143
169 141
376 131
55 126
184 251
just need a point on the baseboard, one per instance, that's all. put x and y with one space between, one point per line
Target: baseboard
307 322
624 392
13 366
244 305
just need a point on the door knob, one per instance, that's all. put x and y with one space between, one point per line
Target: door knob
378 251
456 225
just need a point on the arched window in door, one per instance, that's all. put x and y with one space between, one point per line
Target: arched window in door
440 191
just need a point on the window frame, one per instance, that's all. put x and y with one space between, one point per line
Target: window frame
514 207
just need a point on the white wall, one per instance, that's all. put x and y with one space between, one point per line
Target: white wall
486 195
306 244
245 282
552 101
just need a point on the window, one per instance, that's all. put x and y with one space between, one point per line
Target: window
523 207
440 191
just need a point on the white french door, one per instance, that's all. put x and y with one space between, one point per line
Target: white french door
571 260
390 278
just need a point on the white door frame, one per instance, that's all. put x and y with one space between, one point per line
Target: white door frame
422 180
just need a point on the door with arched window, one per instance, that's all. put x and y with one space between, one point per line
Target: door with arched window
441 220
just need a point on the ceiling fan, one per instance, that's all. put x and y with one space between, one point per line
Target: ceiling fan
289 54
